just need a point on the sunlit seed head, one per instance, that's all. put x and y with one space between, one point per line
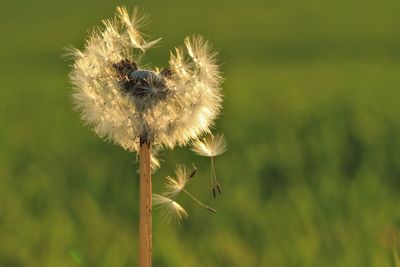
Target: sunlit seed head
210 146
169 209
123 101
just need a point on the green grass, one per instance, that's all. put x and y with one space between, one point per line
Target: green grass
311 114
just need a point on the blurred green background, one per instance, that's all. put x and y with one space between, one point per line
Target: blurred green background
311 114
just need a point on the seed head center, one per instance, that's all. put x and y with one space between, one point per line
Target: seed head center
140 83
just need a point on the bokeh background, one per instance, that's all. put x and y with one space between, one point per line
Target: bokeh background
311 114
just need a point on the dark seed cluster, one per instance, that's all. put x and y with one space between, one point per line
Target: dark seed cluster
142 84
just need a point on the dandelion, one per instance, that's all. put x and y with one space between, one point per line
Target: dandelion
129 104
211 147
144 109
170 209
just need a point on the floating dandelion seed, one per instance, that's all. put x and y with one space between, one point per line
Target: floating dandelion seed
211 147
170 209
175 185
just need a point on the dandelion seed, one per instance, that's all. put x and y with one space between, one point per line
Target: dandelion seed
169 209
212 147
174 185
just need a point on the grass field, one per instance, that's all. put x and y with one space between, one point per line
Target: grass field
311 115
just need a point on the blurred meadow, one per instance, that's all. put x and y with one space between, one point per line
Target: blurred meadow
311 115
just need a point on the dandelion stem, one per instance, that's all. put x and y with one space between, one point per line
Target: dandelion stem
198 201
145 232
395 248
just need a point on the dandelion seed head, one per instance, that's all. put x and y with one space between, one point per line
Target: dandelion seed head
123 101
211 146
169 209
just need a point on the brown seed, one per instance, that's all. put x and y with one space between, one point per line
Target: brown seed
219 188
193 173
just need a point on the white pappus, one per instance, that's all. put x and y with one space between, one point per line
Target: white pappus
127 103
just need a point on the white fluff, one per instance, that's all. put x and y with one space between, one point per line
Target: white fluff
187 112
